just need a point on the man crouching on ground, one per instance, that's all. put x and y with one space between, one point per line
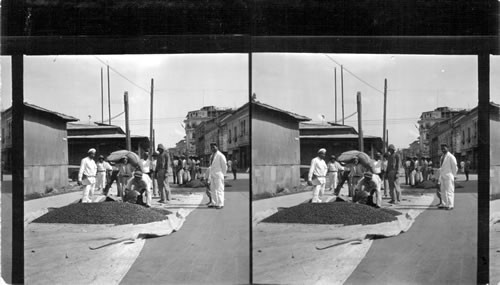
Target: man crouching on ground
317 176
368 190
136 188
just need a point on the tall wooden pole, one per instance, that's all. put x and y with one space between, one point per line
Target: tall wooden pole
102 98
109 99
152 146
335 81
385 115
154 141
386 142
360 125
342 90
127 128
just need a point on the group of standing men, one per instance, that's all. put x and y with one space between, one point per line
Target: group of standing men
365 180
362 178
136 181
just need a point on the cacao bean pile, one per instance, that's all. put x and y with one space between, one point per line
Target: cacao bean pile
116 213
333 213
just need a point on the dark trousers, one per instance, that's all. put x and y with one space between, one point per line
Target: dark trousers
175 176
343 178
234 173
110 178
466 175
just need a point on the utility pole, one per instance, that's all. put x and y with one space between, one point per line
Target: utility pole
154 141
102 99
360 129
342 90
385 115
386 142
109 100
335 82
127 128
151 147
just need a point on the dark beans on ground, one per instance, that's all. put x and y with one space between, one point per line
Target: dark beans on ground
332 213
102 213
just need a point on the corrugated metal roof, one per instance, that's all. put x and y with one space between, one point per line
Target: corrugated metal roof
60 115
105 136
320 125
340 136
87 126
295 116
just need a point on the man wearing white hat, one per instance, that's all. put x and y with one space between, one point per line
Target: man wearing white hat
317 175
87 176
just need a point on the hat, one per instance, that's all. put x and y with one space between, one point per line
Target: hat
213 143
333 157
322 150
391 146
368 175
101 156
137 173
92 150
160 146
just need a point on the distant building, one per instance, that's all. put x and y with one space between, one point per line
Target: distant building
495 150
275 149
179 149
194 118
414 149
104 138
45 147
429 119
335 138
237 136
459 133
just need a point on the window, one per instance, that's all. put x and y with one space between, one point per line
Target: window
475 129
235 134
468 135
463 137
242 128
230 136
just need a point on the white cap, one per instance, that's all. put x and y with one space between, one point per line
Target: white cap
322 150
91 150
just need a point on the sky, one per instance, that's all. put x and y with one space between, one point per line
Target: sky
304 84
72 85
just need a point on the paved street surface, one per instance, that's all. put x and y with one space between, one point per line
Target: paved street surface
211 248
440 247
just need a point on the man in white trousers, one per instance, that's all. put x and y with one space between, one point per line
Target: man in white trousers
217 170
447 174
317 176
87 176
102 168
333 172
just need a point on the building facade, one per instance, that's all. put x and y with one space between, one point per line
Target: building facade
494 150
194 118
45 147
428 120
238 137
275 149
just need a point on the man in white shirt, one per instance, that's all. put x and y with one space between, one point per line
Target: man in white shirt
317 176
87 176
333 170
447 174
102 168
217 170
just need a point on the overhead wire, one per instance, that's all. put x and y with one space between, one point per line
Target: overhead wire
355 76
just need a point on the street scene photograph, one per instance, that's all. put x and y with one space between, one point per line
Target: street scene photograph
494 170
136 168
364 168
